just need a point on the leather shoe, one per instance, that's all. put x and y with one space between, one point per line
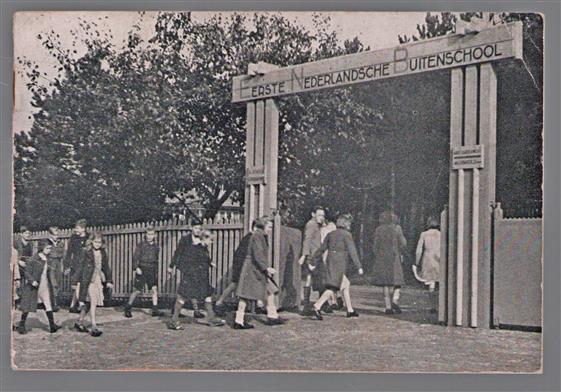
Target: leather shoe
80 327
243 326
396 308
352 314
175 326
21 329
317 314
275 321
326 308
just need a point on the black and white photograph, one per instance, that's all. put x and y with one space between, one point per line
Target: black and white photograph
280 191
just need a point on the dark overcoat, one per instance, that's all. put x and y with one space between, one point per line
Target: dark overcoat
253 277
289 270
182 251
239 257
74 254
195 273
86 270
25 251
389 242
341 249
33 272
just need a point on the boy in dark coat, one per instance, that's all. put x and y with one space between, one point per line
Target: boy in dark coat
38 288
237 264
73 260
145 265
55 261
340 249
256 277
192 260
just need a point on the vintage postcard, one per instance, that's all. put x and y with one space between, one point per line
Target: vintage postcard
278 191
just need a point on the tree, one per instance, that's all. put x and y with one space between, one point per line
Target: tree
520 112
132 128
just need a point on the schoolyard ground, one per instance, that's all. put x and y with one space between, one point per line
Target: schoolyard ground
410 342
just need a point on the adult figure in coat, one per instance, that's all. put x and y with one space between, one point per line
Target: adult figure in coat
290 276
257 278
389 242
427 257
311 277
341 249
37 288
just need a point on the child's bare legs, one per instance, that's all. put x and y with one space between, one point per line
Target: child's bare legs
155 311
82 317
272 307
240 313
346 293
212 319
197 312
229 290
154 297
75 295
396 295
323 298
133 297
92 317
128 306
174 324
433 299
387 300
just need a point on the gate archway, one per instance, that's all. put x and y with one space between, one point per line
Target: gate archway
465 296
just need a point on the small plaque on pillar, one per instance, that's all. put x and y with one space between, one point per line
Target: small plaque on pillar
255 175
468 157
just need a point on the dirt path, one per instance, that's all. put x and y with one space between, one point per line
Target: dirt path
410 342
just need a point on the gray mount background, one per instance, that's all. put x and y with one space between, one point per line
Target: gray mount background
169 381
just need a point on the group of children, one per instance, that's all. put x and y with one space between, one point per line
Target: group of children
328 251
37 277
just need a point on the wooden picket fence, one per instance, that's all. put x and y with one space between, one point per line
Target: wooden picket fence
121 240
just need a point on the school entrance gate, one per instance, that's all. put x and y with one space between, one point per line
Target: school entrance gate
465 295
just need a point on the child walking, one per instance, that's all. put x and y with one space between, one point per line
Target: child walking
193 261
237 264
73 260
389 242
340 247
94 271
38 288
145 265
256 277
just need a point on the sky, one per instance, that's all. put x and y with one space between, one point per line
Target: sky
375 29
